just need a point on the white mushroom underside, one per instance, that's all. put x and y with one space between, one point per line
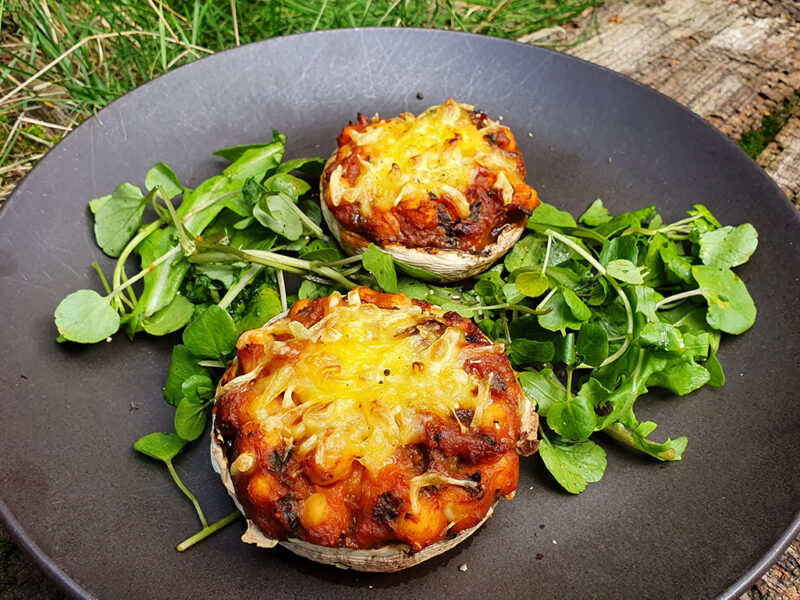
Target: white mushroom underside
450 265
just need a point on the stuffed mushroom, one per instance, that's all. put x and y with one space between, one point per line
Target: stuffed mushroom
369 431
444 191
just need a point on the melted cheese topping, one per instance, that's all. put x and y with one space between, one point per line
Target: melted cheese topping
360 378
438 153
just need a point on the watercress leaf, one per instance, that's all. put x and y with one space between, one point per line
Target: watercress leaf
262 307
532 283
697 345
161 284
252 192
254 237
730 307
117 219
292 186
702 211
541 390
97 203
579 310
190 419
273 212
417 272
625 220
560 316
198 389
620 248
628 375
511 294
321 250
595 392
311 166
381 266
416 290
714 368
161 446
549 215
86 317
573 465
675 264
182 366
170 318
671 450
592 344
680 377
492 329
255 162
566 350
162 175
211 333
522 254
226 273
233 153
728 247
488 290
311 209
688 317
527 326
596 214
653 261
311 290
201 205
525 353
598 292
662 337
625 271
644 301
573 420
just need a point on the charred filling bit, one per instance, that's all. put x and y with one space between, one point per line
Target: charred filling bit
387 508
439 485
432 215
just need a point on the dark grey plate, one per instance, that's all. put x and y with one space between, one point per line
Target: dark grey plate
104 521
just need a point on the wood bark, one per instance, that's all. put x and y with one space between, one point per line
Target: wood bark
731 62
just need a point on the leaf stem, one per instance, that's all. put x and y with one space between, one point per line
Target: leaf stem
546 299
166 256
547 253
617 431
208 530
504 321
282 290
119 269
309 224
211 363
185 490
237 287
208 203
186 243
676 297
519 307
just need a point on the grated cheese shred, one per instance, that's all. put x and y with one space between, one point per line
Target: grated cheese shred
357 396
410 157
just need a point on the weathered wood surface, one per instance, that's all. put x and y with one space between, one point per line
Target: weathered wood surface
731 62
